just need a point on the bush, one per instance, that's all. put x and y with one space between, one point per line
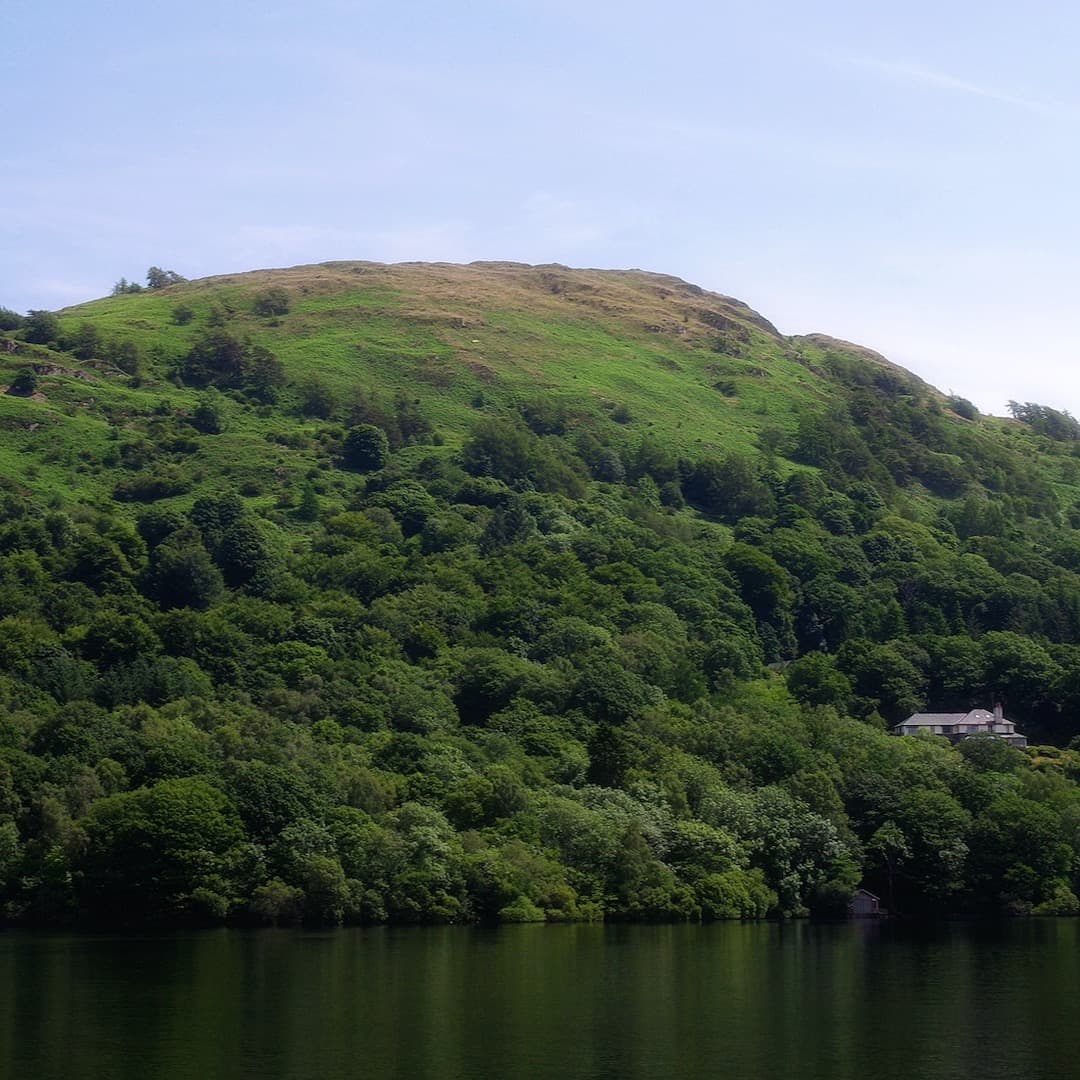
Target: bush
158 482
270 302
25 383
125 355
208 417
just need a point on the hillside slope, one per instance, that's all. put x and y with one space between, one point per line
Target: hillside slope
432 592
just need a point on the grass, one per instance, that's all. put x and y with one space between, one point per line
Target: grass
692 370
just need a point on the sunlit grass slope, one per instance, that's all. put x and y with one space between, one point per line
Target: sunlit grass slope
637 353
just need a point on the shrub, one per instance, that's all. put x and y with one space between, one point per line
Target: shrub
125 355
208 417
25 383
270 302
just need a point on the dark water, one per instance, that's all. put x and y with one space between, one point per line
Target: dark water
778 1001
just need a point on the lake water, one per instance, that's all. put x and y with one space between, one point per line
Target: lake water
867 1000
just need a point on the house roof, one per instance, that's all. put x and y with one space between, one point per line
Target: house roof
975 716
866 892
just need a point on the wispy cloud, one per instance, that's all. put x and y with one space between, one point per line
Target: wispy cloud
919 75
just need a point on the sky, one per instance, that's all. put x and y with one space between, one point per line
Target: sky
903 176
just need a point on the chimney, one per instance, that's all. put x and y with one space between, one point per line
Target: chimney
998 714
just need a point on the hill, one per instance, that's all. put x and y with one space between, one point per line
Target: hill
431 592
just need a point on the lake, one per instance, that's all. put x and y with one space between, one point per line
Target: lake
867 1000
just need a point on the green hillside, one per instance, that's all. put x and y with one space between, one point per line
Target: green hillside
494 592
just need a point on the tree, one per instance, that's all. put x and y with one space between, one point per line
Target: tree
1060 426
889 845
85 342
149 851
216 356
814 680
366 448
269 798
244 556
730 488
317 398
156 278
41 328
183 574
264 375
309 507
125 355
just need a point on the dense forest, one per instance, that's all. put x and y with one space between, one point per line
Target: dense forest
441 594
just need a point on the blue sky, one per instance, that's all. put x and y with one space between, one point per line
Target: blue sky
904 177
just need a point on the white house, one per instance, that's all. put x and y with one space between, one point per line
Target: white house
957 726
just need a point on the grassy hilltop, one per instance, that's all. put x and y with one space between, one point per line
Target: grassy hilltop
627 351
435 593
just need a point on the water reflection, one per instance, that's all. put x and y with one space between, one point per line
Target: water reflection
596 1002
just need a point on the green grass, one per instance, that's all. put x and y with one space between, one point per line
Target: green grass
607 346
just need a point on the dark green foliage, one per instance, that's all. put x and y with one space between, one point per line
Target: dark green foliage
243 555
216 357
962 407
125 355
272 301
309 507
161 481
510 452
208 417
814 680
213 515
156 278
1046 421
151 851
269 797
10 320
562 672
182 573
365 448
317 399
41 328
84 341
219 359
730 488
25 383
